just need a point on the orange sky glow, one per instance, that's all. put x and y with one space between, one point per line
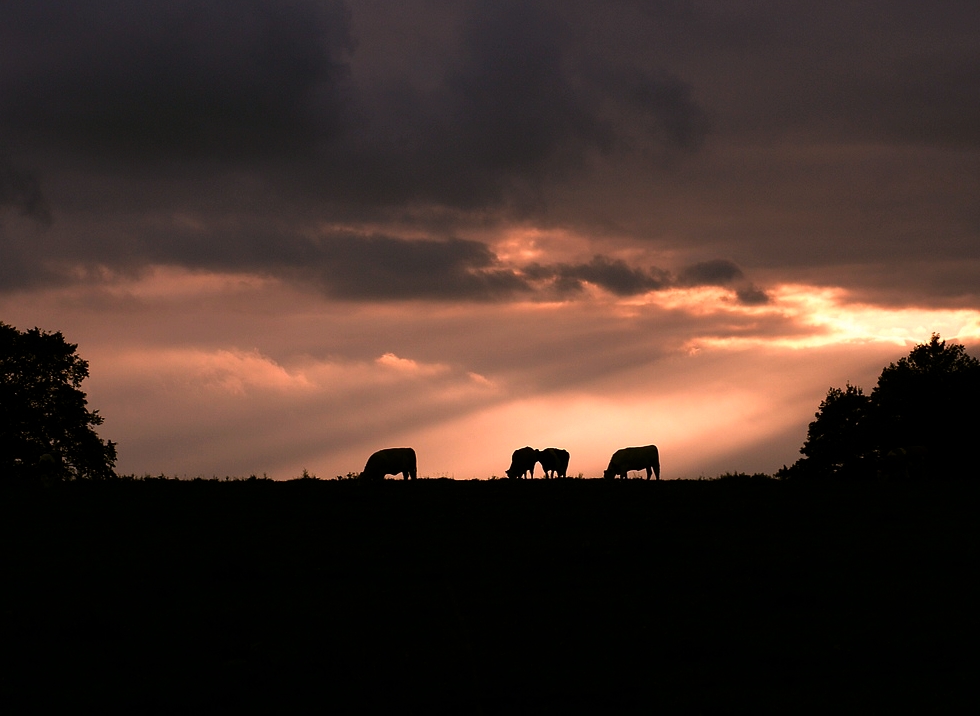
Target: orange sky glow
731 389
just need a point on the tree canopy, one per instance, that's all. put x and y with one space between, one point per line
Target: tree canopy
44 419
923 405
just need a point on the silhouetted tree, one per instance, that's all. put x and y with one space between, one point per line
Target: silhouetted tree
930 399
838 442
44 422
925 404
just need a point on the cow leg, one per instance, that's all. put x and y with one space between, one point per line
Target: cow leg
649 472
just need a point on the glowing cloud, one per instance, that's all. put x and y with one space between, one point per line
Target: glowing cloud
409 366
829 318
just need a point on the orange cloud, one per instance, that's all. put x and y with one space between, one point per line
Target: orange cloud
409 366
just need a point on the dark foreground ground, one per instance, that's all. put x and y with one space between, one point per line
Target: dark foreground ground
731 596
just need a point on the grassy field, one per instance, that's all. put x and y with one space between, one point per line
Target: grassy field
727 596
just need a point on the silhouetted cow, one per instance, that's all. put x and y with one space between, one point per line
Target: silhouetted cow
634 458
522 462
391 461
554 461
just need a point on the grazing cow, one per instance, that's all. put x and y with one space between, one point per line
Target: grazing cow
634 458
391 461
522 462
554 461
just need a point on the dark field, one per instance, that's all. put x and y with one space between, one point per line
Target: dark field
729 596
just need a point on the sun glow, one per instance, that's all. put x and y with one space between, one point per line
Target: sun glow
699 300
821 316
841 320
523 245
835 319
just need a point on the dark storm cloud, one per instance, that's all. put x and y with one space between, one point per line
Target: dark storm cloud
749 295
20 191
621 279
511 90
380 267
727 127
514 105
893 71
169 105
259 80
721 272
614 276
343 265
666 104
523 95
182 78
710 273
21 197
917 81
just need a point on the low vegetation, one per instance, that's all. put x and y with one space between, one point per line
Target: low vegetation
741 593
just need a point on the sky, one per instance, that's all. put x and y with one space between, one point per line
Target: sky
287 234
